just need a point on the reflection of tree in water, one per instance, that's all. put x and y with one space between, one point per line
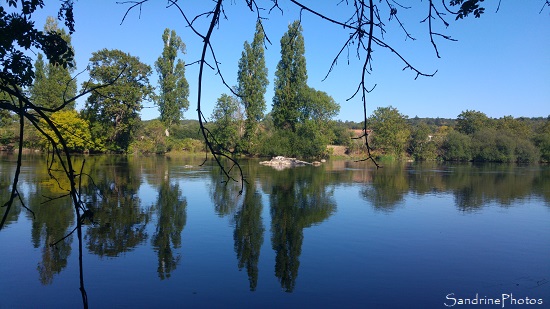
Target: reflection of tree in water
299 199
120 221
473 186
224 193
52 222
388 187
541 183
171 219
477 185
6 178
249 231
54 217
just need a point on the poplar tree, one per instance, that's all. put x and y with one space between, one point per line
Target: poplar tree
252 83
53 82
174 88
290 79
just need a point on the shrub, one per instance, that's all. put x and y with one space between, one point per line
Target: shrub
457 147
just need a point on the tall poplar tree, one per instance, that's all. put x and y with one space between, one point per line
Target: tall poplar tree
252 84
53 82
290 79
174 88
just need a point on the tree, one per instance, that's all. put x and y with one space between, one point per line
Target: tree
174 89
542 140
20 35
422 147
390 130
53 83
457 147
290 79
114 110
513 126
469 122
318 106
252 83
226 124
75 131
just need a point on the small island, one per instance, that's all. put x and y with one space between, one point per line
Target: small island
280 162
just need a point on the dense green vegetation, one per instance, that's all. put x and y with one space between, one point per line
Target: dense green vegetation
473 136
301 122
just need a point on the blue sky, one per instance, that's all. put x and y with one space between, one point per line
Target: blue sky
500 64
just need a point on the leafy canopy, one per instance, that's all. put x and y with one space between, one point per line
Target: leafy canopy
114 110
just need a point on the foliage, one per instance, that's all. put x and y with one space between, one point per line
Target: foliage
542 140
342 135
252 83
53 83
457 147
186 129
390 130
174 88
469 122
113 111
422 146
513 126
468 7
21 35
319 107
301 115
290 79
150 138
191 145
306 142
75 132
526 152
226 118
491 145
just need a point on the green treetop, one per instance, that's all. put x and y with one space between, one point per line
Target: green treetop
114 110
226 118
174 88
470 122
391 131
290 79
53 83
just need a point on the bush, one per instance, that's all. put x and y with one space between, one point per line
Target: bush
542 141
526 152
304 143
490 145
457 147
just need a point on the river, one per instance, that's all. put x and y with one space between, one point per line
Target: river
172 233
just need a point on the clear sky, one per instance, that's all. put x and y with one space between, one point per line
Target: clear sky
500 64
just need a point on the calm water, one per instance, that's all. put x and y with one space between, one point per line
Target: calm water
171 233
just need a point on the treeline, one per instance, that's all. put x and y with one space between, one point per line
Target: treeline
299 123
472 136
118 85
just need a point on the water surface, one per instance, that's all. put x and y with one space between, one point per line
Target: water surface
168 232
